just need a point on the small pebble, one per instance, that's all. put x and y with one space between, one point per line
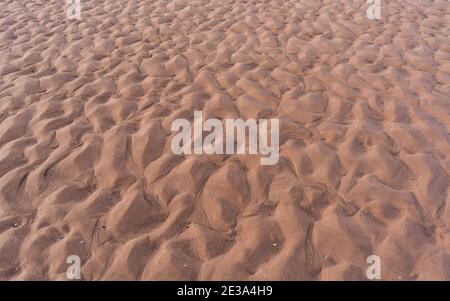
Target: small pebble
15 225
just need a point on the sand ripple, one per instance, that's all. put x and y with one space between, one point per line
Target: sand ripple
85 161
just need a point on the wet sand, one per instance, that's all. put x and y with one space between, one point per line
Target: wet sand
86 168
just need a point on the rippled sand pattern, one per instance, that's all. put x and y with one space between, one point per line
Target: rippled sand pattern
86 167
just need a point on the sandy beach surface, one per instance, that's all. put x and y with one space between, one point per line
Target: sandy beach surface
86 167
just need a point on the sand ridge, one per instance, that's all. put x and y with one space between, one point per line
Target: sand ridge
86 168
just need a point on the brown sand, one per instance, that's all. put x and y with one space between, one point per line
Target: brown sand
85 160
